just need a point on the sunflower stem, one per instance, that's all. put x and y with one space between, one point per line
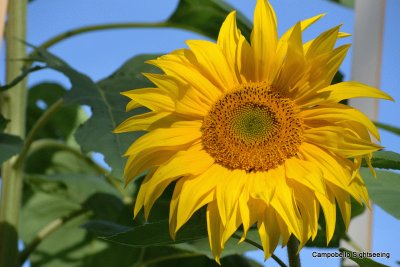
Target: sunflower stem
13 107
255 244
36 128
292 249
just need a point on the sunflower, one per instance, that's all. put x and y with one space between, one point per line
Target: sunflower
253 131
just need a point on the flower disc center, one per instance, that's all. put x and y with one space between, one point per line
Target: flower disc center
252 128
251 122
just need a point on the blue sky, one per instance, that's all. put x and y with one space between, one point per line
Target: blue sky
98 54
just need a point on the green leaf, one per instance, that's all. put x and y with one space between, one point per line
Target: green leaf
385 160
206 17
387 127
75 187
106 103
231 247
347 3
70 245
3 123
384 190
54 196
48 156
361 261
63 123
10 145
149 234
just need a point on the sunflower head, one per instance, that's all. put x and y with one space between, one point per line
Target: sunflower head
253 130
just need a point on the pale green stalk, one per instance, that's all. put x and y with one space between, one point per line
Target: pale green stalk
13 106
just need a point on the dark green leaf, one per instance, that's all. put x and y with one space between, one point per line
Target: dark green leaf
385 160
384 190
3 123
206 17
361 261
150 234
337 78
387 127
231 247
166 256
10 145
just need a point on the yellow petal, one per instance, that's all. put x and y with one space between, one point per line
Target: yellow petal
152 98
293 64
335 113
336 169
282 47
183 69
306 173
187 99
213 63
228 191
344 202
328 205
347 90
340 141
147 122
245 61
157 140
182 132
191 162
262 185
269 232
284 204
139 201
196 192
264 39
215 229
137 165
324 43
228 39
319 74
132 105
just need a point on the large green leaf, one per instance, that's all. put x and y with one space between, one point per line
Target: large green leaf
106 102
149 234
361 260
384 190
206 17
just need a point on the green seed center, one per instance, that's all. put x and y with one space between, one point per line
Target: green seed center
251 122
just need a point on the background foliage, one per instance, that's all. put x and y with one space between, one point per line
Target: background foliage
68 196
